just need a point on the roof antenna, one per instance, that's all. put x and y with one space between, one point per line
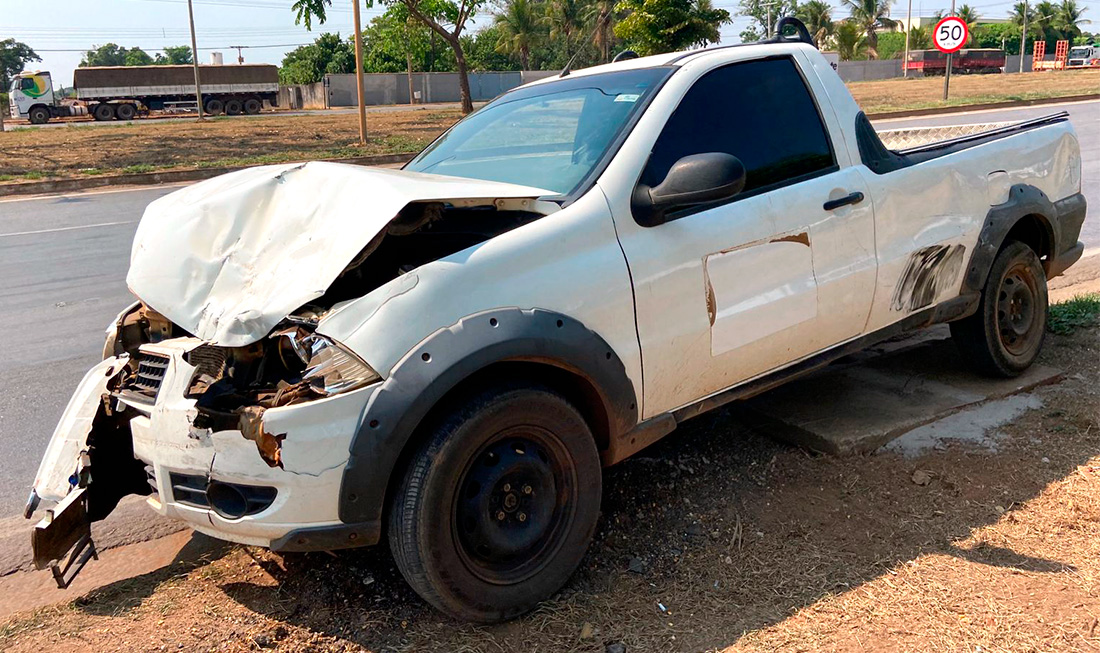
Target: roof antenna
595 28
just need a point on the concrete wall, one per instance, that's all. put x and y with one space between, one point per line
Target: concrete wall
302 96
861 71
393 88
1012 63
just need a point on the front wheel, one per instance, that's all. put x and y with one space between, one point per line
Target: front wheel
39 116
497 508
1004 336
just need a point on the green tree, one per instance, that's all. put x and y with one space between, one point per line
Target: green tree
850 40
481 51
891 45
760 11
520 28
566 21
870 16
396 42
969 15
309 63
600 16
436 14
175 55
14 57
138 57
818 17
920 38
655 26
104 55
1068 20
997 35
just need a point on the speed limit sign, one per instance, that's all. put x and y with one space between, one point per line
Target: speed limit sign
950 34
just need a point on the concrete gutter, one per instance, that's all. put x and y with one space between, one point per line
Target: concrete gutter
164 176
964 108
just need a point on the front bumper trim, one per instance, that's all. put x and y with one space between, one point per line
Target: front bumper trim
329 538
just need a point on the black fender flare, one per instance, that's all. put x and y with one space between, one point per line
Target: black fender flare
1023 200
440 362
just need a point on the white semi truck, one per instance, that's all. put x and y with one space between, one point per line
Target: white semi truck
122 92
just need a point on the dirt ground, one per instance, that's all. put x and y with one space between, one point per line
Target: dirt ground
716 538
81 149
922 92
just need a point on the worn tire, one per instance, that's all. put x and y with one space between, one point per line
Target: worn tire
252 106
104 111
39 115
233 107
497 508
125 111
213 107
1004 337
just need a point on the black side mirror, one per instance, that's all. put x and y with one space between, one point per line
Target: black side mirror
693 180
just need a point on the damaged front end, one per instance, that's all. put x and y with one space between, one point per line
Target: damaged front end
217 398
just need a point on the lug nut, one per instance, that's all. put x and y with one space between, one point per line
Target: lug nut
527 489
522 516
500 516
507 487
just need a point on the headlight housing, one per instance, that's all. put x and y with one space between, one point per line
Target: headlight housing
332 369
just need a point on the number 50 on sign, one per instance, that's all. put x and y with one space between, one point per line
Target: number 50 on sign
950 34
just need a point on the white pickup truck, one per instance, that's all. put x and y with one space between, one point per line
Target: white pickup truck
324 355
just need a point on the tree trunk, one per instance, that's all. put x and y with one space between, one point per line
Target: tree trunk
463 74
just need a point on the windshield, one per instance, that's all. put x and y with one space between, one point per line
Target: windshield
548 136
1078 52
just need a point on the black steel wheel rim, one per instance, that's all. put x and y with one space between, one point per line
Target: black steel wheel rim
1018 310
514 505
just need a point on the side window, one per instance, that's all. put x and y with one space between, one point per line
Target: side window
27 84
759 111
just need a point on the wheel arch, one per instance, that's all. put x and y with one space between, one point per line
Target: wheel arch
1028 216
537 345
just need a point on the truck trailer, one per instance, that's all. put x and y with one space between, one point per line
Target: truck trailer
972 60
122 92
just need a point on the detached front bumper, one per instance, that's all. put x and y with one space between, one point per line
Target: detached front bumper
184 462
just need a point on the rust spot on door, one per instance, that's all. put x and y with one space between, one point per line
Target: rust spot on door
803 238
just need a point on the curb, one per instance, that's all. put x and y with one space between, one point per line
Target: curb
964 108
166 176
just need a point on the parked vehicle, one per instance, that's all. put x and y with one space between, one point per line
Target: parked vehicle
968 61
123 92
1084 56
326 356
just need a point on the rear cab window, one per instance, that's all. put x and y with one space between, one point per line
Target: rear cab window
760 111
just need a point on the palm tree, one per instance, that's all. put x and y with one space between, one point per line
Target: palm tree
1068 19
600 14
703 23
969 16
919 38
869 16
850 41
520 30
817 15
566 21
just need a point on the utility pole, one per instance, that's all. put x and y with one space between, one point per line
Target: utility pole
1023 38
240 54
947 70
358 73
195 57
908 28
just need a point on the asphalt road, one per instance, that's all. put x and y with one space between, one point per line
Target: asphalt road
63 262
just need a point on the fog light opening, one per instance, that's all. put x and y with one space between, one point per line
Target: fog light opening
226 500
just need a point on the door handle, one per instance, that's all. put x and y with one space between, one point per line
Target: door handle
850 198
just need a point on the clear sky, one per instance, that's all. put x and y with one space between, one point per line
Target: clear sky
60 30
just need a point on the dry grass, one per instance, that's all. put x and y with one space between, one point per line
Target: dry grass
919 93
81 149
745 545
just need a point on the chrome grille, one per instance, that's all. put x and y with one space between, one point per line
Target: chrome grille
150 374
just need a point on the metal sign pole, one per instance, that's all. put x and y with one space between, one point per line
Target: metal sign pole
947 70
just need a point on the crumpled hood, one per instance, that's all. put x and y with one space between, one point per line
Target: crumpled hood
229 257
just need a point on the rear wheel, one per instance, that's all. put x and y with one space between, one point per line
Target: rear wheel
1005 335
252 106
104 111
498 507
125 112
39 115
233 107
213 106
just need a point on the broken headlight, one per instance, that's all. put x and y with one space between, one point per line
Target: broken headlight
332 369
